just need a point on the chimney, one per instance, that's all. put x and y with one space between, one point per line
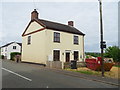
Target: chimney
34 15
71 23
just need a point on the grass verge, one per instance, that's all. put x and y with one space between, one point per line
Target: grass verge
117 66
113 73
86 72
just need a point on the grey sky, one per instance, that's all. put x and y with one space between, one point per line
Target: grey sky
16 16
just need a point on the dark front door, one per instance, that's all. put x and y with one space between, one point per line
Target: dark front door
67 57
76 55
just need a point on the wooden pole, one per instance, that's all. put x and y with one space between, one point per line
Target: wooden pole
101 34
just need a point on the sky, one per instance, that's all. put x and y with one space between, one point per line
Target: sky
16 16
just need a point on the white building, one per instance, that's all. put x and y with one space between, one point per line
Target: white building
10 47
44 41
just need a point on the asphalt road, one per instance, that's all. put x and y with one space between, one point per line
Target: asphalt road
23 75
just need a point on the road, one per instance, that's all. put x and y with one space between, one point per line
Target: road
24 75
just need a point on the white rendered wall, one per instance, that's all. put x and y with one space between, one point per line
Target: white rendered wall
10 49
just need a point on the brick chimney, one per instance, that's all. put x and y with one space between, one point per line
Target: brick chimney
34 14
71 23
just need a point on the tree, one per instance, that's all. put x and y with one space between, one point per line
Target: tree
94 54
113 52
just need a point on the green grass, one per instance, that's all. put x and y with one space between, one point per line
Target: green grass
86 72
117 65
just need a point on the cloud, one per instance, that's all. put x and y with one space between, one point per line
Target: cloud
84 14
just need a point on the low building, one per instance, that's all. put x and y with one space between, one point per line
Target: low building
45 40
9 48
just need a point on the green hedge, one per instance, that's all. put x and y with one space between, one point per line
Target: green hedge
2 56
12 55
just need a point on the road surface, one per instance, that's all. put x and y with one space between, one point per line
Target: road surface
24 75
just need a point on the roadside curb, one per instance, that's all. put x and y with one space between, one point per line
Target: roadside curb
83 77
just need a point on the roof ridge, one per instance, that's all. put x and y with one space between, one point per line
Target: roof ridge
10 43
60 27
54 22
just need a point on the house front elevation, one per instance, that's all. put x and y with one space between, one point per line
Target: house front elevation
9 48
45 40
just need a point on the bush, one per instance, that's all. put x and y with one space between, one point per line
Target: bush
2 57
12 55
113 52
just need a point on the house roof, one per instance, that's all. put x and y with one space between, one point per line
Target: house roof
54 26
11 43
20 44
59 26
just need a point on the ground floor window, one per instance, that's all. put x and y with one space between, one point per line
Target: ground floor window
56 55
76 55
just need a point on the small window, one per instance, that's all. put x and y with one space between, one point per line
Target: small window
29 40
56 55
56 37
75 39
5 49
14 47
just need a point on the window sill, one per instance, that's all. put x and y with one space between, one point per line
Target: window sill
28 44
56 41
76 44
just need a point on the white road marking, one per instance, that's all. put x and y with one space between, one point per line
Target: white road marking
17 74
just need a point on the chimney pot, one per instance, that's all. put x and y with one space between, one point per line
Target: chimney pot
71 23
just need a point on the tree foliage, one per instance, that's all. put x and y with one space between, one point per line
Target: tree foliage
113 52
93 54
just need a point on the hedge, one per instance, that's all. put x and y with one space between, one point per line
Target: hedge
12 55
2 56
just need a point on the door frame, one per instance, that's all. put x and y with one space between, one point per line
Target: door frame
66 56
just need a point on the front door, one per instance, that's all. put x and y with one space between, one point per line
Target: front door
67 56
76 55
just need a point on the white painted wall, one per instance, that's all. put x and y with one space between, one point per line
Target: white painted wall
41 48
8 49
3 52
66 45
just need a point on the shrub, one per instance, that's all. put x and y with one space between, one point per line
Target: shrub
2 57
12 55
113 52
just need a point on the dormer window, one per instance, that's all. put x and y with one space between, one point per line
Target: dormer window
14 47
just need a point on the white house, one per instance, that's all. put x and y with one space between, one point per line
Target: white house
10 47
45 40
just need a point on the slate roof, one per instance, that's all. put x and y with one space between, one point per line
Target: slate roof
59 26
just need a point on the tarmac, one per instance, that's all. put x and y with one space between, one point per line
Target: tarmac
105 80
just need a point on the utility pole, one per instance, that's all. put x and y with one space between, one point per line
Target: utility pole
102 43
